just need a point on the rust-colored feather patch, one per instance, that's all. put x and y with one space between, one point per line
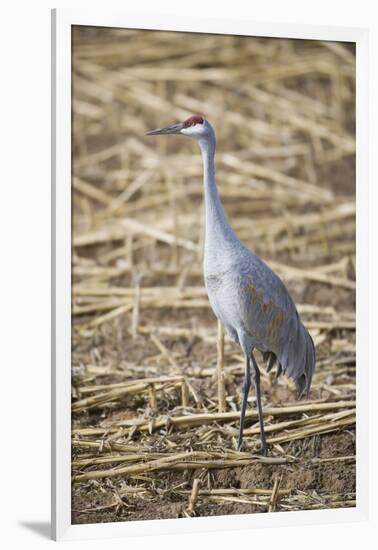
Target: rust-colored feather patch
193 120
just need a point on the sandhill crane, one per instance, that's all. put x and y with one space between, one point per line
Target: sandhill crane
249 299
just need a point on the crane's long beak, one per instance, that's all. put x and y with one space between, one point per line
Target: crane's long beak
175 129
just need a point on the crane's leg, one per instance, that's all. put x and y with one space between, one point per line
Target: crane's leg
245 391
256 380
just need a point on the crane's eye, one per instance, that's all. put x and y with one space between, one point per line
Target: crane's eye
193 120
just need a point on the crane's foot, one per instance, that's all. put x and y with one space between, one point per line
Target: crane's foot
240 445
264 448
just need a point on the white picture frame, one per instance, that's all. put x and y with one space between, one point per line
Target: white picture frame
62 21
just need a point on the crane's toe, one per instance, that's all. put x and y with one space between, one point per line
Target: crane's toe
240 445
264 449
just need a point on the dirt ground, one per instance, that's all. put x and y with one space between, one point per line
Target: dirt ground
148 438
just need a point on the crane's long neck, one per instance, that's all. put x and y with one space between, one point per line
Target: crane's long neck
218 232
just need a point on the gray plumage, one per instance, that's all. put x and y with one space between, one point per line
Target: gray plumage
244 293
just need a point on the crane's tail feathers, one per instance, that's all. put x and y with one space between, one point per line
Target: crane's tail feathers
304 378
297 356
271 360
279 370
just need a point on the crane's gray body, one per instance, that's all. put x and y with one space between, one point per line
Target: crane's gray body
258 312
246 295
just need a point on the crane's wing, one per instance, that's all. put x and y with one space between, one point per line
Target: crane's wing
271 318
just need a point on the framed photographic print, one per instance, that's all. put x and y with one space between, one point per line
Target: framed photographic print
209 277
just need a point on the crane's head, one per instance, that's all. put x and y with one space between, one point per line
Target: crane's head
195 126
